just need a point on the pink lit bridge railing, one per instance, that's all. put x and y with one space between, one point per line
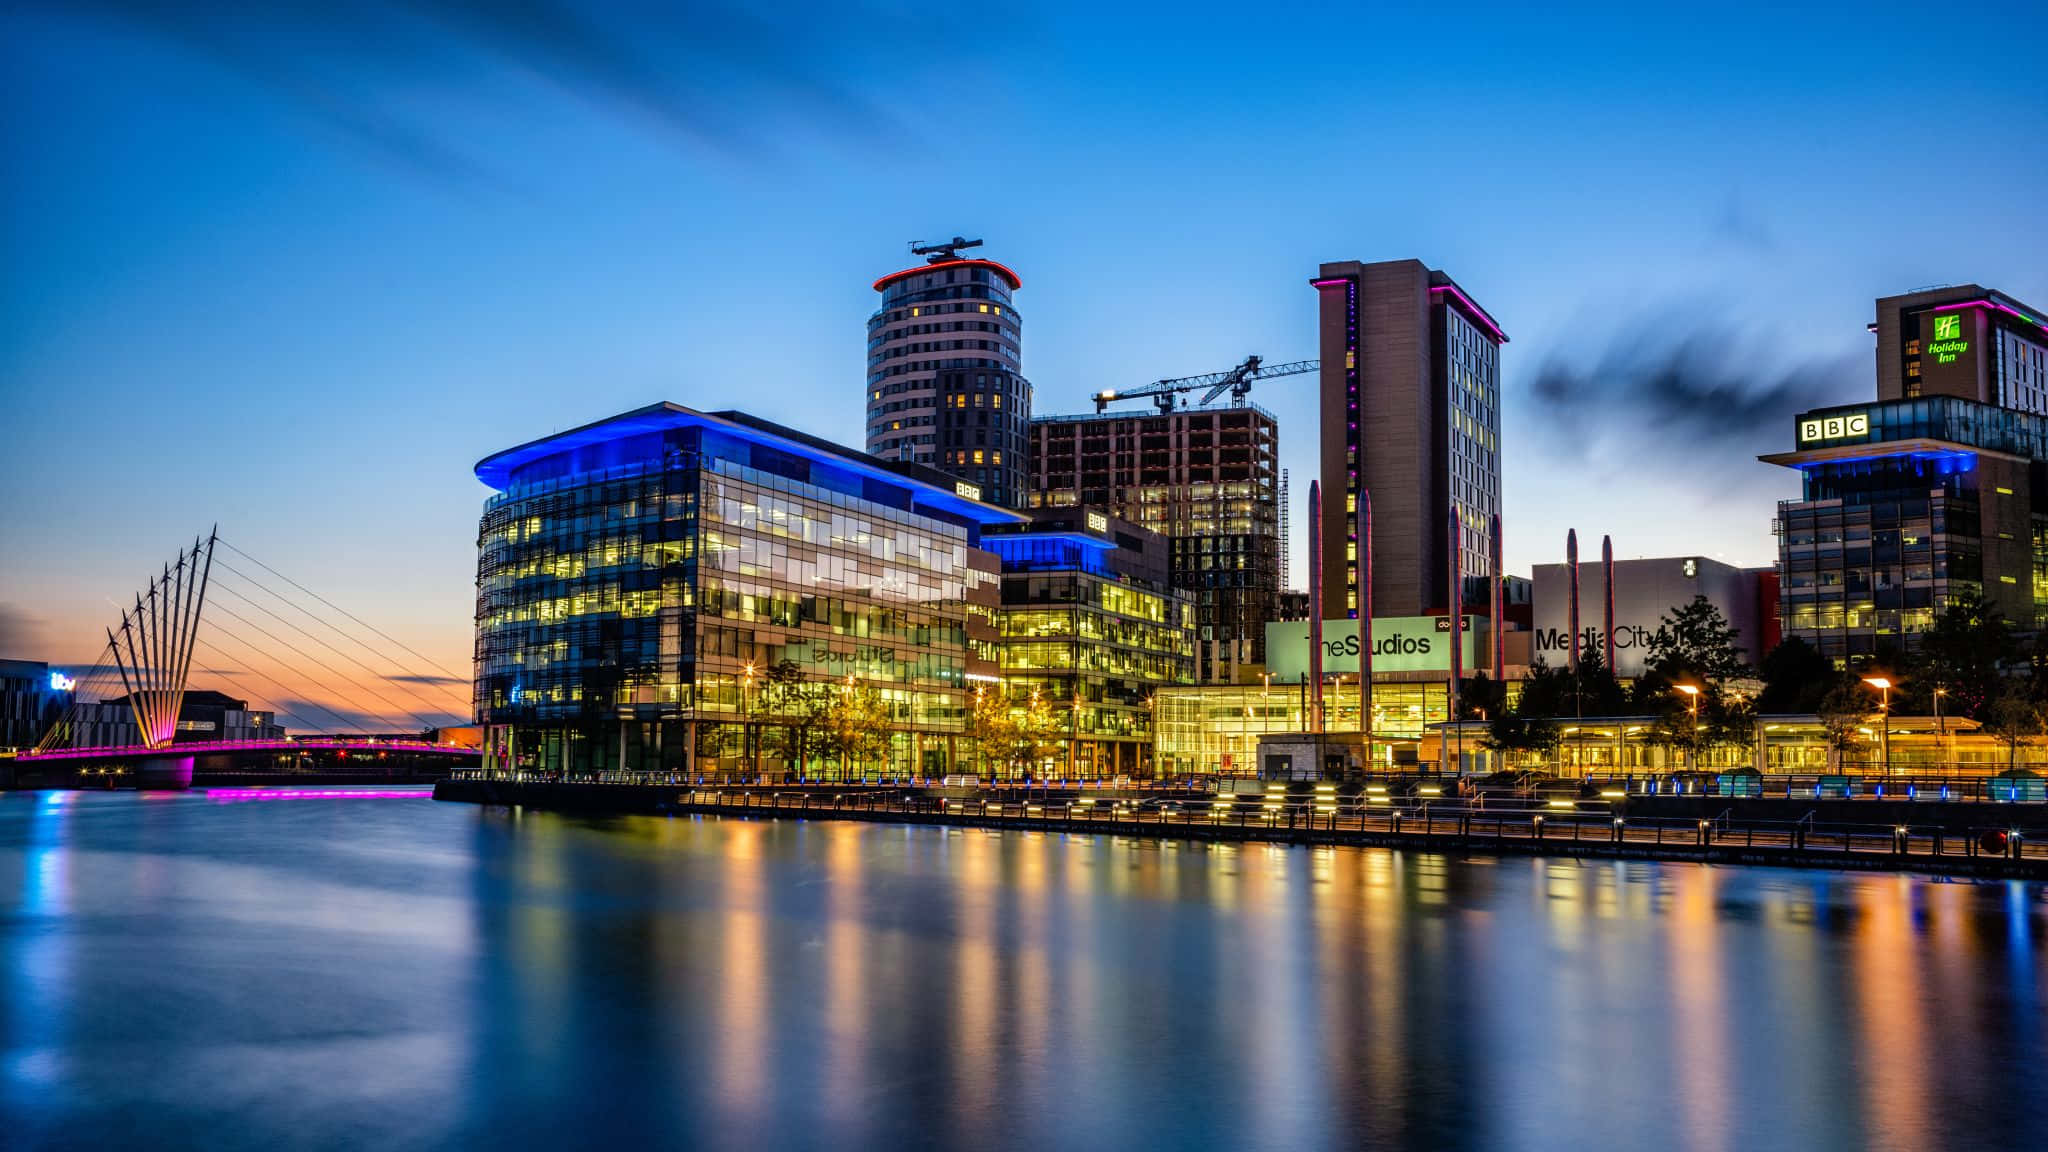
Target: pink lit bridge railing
224 747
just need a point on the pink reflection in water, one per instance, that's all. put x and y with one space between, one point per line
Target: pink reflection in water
239 795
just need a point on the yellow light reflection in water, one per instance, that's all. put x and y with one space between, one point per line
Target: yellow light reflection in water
742 1005
1701 999
846 948
1889 1006
975 986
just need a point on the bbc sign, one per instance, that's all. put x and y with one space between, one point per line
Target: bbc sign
1814 428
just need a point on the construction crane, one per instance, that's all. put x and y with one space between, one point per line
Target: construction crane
943 251
1237 381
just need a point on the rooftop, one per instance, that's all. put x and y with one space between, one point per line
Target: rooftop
991 265
928 487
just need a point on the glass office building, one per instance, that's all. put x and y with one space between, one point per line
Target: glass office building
1907 504
654 590
1091 624
1214 729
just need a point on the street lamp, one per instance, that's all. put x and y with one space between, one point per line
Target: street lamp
748 737
1941 729
1692 699
1884 706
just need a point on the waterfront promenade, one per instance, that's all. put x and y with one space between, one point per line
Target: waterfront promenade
1974 839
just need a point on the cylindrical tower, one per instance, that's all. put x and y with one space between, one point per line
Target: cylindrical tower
1607 602
943 384
1571 563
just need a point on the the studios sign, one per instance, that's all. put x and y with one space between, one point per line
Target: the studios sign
1399 644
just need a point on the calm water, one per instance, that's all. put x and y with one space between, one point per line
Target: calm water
393 973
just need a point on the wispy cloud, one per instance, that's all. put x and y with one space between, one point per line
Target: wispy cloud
704 72
22 636
1661 383
432 681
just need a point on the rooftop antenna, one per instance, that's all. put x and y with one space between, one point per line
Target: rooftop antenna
943 251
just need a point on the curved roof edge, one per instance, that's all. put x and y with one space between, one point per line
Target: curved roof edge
1005 273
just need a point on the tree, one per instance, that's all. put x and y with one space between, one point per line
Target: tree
856 724
1594 691
1481 697
1040 731
1966 653
1509 732
1546 692
992 730
2013 718
1844 712
1796 677
799 706
1695 639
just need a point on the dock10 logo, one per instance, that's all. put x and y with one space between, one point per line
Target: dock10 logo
1833 427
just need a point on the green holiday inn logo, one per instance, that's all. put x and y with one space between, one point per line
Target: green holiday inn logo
1948 342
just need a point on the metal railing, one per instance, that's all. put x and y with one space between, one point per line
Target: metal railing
1414 823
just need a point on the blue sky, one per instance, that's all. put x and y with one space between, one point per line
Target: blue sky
296 269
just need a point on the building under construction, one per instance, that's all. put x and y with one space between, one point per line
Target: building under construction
1207 478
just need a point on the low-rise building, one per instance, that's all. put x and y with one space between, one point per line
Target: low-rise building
1091 623
32 697
1645 592
204 717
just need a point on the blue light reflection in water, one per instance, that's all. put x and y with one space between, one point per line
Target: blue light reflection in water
406 974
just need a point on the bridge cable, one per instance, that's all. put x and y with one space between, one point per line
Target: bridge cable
416 697
302 719
462 696
344 612
346 722
426 721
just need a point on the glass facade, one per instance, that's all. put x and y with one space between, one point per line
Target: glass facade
634 593
1208 480
1214 730
1907 505
1095 646
1472 424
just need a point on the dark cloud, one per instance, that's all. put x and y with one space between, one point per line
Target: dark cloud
21 635
434 681
304 715
703 71
1659 386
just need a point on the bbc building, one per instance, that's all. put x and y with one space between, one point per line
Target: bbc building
1937 489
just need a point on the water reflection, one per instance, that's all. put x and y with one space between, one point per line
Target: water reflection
422 975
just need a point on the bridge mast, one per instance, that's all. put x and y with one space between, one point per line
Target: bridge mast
153 650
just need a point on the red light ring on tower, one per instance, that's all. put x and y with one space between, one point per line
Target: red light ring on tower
1005 273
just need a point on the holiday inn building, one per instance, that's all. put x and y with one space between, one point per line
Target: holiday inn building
638 577
1938 488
